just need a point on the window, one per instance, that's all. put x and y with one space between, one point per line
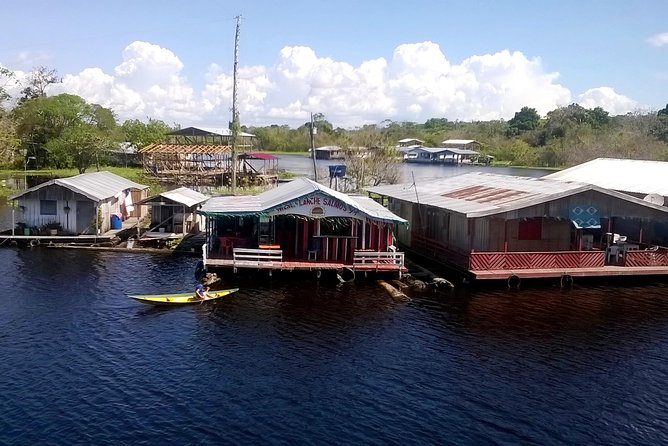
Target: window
48 207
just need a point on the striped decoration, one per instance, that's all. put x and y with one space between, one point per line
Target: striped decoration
482 261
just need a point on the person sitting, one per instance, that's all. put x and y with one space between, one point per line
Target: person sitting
201 292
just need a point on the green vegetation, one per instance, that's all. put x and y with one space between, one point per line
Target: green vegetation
66 133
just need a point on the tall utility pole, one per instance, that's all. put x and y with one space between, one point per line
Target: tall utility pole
315 167
235 111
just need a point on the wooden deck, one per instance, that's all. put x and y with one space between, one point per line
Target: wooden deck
535 265
272 259
601 271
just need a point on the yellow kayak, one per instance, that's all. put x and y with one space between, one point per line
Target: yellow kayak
180 299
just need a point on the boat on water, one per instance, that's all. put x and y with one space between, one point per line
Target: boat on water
182 298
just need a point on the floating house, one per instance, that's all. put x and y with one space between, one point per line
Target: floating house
329 153
424 155
640 178
496 226
460 151
409 142
439 155
470 144
90 203
300 225
174 213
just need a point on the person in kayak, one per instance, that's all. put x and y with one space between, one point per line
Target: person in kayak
201 292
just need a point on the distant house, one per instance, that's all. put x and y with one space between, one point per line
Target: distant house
73 203
470 144
409 142
175 211
420 154
640 178
328 152
460 151
124 154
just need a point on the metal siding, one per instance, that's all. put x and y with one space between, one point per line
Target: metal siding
458 232
481 235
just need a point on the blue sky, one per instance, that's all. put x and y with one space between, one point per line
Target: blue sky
356 62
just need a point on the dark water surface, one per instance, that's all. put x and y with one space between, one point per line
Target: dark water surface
288 362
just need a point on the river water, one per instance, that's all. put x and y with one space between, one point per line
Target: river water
290 361
300 362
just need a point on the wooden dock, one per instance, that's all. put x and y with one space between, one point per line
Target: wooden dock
602 271
272 259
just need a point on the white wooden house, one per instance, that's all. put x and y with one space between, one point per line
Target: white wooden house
72 204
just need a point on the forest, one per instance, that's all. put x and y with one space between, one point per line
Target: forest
65 131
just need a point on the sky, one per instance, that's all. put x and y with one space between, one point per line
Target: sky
356 62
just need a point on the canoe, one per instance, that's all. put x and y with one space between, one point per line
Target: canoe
180 299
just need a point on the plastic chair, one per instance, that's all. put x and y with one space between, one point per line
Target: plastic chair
613 251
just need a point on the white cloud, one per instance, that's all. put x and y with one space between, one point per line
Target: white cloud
608 99
416 84
660 39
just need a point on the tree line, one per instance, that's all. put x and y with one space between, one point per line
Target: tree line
65 131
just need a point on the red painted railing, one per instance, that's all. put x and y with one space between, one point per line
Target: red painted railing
483 261
646 258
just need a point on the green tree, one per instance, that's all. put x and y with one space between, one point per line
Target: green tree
524 120
42 123
598 118
142 134
80 145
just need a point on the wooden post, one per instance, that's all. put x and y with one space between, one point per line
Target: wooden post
363 234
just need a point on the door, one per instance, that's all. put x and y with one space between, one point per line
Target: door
85 217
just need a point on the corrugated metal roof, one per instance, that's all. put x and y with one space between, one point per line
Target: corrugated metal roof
185 196
285 193
204 131
410 139
97 186
232 205
634 176
458 141
457 151
480 194
428 149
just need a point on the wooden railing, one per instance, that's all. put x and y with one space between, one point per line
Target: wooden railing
260 258
484 261
649 257
378 259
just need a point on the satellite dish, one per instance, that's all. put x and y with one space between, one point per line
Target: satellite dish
654 199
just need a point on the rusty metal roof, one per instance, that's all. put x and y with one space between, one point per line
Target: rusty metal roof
480 194
184 149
